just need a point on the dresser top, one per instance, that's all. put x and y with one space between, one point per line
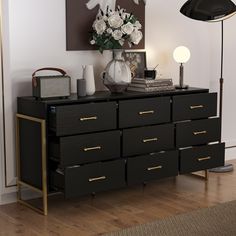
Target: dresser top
107 96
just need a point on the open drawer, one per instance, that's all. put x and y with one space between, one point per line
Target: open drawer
81 180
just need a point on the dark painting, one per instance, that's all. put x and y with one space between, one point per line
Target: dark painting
79 21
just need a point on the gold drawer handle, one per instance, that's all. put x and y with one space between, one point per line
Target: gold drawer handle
204 159
196 107
150 140
97 179
88 118
154 168
92 148
145 112
201 132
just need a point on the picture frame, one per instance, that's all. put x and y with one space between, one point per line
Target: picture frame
80 15
137 62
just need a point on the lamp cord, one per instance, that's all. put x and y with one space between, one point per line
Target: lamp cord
221 75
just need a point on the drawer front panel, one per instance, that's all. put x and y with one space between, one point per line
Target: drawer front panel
82 180
148 139
84 118
202 158
146 111
151 167
187 107
75 150
197 132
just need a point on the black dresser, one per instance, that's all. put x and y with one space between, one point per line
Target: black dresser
80 146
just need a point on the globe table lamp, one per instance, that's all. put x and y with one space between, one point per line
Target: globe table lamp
181 55
212 11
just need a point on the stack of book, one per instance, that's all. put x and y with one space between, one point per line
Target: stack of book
151 85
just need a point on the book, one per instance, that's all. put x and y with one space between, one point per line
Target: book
140 85
152 82
151 89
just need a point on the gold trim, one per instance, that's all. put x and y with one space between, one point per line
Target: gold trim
154 168
88 118
196 107
200 132
30 186
92 149
205 176
204 159
145 112
97 179
150 140
43 191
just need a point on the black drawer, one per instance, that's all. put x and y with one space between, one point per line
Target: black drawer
81 180
187 107
197 132
83 118
146 111
148 139
151 167
202 158
75 150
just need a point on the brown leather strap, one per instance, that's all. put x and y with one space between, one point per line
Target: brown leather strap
52 69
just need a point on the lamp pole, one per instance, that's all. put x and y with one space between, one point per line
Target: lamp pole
221 75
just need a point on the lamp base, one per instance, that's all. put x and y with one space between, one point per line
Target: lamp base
184 86
223 169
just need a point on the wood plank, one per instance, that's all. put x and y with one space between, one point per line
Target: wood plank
115 210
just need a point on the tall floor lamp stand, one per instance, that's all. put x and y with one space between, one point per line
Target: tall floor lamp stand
226 167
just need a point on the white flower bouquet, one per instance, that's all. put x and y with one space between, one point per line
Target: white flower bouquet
112 28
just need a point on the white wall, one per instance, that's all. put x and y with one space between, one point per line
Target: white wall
229 110
34 37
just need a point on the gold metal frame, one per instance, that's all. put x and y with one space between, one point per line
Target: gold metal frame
20 183
205 176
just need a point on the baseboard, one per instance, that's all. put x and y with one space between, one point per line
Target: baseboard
8 198
230 154
11 197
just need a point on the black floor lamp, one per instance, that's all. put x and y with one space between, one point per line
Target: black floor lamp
212 11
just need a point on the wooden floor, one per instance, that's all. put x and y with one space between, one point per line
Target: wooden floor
115 210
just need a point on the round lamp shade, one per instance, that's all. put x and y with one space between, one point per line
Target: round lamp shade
208 10
181 54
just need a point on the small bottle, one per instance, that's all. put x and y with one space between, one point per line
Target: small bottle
81 88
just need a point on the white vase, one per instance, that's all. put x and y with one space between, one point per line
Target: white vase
117 75
88 75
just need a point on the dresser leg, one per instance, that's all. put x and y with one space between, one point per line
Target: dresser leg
20 182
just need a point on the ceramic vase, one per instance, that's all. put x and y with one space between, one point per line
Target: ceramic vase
88 75
117 75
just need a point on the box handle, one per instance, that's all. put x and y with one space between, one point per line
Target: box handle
88 118
200 132
145 112
204 159
196 107
154 168
92 148
51 69
97 179
150 140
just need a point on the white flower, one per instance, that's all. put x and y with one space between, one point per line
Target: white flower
92 42
99 26
117 34
115 21
105 18
109 31
124 15
127 28
137 25
121 42
136 37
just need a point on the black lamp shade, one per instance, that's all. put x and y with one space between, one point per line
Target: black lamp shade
208 10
